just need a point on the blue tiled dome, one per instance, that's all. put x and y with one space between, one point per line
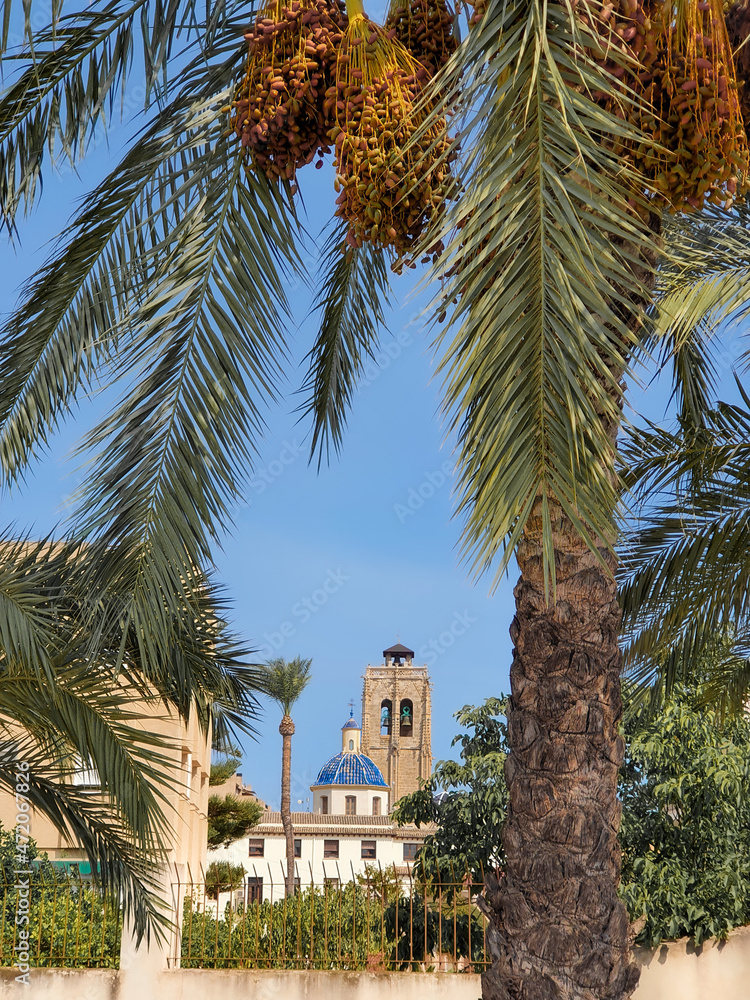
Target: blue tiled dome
350 724
348 768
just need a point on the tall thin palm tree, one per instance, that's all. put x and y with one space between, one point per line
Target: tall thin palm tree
170 281
284 681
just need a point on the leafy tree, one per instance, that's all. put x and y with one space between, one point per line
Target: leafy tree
221 876
230 818
468 801
685 831
685 835
284 681
223 770
544 296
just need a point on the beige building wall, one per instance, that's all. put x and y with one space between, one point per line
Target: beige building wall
189 754
404 760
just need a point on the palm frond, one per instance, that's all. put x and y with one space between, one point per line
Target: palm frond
703 282
546 264
285 680
119 864
354 290
75 75
685 556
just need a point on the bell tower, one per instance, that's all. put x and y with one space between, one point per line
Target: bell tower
396 720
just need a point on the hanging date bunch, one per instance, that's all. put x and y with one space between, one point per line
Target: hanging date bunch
426 29
278 109
738 29
393 178
692 108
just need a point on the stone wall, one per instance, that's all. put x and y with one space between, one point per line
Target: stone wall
677 971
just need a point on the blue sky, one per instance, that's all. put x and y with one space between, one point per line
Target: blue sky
337 564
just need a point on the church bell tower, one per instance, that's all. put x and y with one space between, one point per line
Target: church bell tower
396 720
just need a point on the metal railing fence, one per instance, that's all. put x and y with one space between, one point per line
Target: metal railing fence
53 917
380 920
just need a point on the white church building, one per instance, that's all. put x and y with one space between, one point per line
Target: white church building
350 827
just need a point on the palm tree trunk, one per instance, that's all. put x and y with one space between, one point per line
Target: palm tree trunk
286 728
560 932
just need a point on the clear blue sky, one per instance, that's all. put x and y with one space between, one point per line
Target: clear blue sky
343 561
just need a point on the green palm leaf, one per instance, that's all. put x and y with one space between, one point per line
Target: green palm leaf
354 289
546 282
75 74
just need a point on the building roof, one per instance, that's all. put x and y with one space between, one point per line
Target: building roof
349 768
307 824
351 724
398 650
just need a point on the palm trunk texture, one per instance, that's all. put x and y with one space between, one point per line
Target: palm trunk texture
558 930
286 728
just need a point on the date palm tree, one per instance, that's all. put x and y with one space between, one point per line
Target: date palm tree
170 283
284 681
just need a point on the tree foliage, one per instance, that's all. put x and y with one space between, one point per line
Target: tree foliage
685 837
467 800
230 818
285 680
71 922
223 876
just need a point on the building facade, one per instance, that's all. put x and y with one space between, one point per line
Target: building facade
348 832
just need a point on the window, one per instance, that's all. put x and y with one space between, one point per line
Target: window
324 804
351 805
368 848
410 851
333 882
406 717
255 848
376 806
298 848
254 889
330 848
351 744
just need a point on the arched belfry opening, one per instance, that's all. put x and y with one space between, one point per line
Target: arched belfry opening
406 717
386 716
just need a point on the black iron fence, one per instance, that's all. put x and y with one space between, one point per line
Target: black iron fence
54 917
381 920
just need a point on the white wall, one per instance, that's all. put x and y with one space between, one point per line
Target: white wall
337 798
312 867
675 971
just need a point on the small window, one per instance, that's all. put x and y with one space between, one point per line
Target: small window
324 804
254 889
330 848
332 882
376 806
351 805
298 848
368 848
410 851
351 744
256 848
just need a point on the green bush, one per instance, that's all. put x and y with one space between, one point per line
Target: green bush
70 922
